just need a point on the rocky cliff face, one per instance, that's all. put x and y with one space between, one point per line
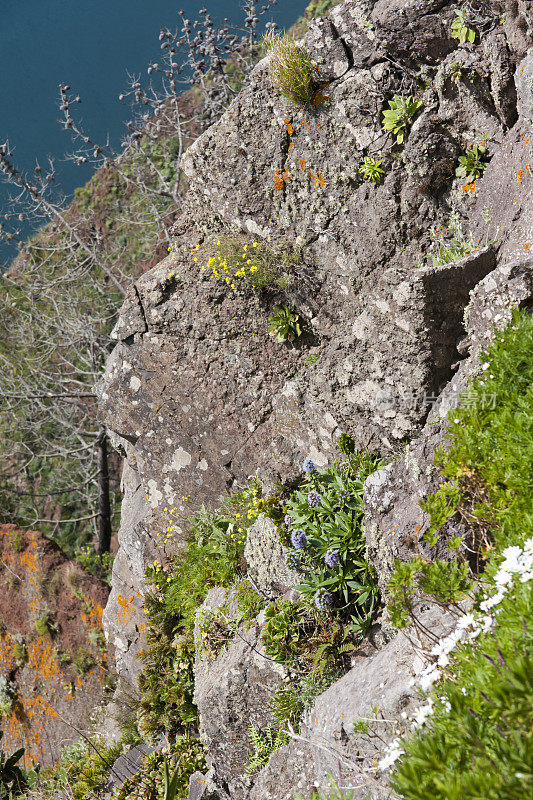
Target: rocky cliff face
52 647
198 397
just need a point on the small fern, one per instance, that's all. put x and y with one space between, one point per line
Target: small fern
264 743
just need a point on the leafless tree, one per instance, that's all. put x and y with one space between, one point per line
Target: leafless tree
60 297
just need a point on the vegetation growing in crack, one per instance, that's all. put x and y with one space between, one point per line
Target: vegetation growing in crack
479 677
284 325
398 117
290 69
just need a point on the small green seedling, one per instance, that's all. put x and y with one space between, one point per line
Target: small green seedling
371 169
473 164
283 325
460 29
399 115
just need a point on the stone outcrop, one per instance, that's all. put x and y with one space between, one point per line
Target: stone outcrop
196 394
265 559
394 521
232 691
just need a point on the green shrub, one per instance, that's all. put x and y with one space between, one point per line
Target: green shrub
460 29
7 695
473 164
398 116
290 70
264 742
14 781
326 531
238 261
282 635
99 565
214 557
283 325
164 776
217 628
371 169
45 625
479 740
450 243
83 661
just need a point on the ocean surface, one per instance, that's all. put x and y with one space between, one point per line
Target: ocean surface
92 45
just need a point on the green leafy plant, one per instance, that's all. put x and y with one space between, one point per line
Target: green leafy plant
7 695
14 781
450 243
264 743
398 116
165 775
482 702
83 661
371 169
346 444
281 635
238 261
325 529
214 557
45 625
283 325
460 29
290 69
473 164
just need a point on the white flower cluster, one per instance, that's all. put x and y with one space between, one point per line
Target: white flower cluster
516 561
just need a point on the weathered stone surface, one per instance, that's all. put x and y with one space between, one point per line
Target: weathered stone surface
128 764
328 744
196 393
231 692
265 559
394 522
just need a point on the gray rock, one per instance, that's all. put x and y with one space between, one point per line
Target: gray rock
196 394
394 522
128 764
328 744
232 691
265 559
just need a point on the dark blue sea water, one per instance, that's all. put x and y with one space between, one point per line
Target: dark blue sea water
92 45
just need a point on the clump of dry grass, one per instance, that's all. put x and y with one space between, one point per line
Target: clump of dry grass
290 69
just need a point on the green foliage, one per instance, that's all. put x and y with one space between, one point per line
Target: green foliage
371 169
283 325
333 792
335 524
264 743
450 243
214 557
473 164
289 703
290 69
20 651
346 444
165 776
217 628
319 8
441 506
281 635
83 770
460 29
7 695
83 661
483 746
398 116
239 261
45 624
99 565
14 780
479 742
491 437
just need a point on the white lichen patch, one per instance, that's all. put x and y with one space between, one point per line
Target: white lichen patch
180 460
154 494
135 383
